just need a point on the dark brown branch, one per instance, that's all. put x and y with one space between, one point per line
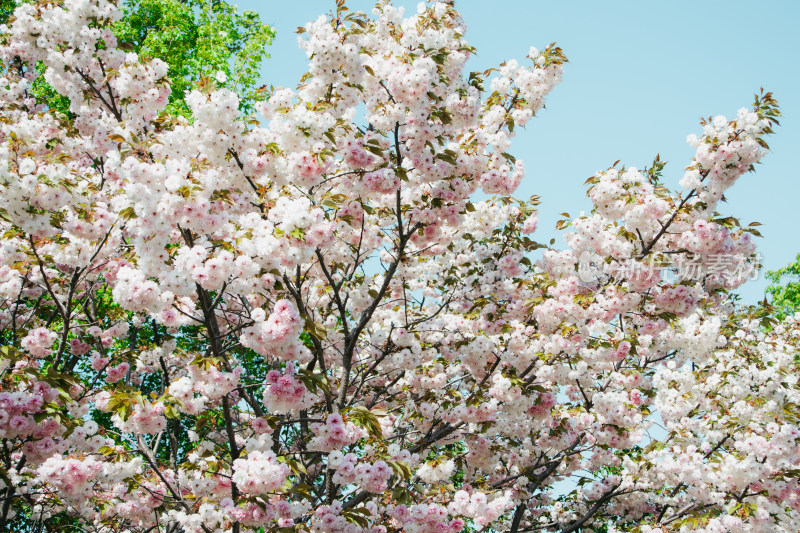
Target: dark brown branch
592 511
517 520
110 106
646 249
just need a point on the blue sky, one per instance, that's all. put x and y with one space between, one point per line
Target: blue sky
640 76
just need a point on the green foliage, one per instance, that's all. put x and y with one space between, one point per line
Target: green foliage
6 8
44 93
197 39
26 521
785 288
165 29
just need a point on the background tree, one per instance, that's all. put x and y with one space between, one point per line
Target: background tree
196 38
785 288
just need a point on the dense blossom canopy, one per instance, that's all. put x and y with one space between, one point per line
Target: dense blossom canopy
335 319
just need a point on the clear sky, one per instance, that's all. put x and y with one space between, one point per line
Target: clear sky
640 76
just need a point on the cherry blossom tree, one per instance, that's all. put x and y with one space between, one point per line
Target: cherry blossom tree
334 317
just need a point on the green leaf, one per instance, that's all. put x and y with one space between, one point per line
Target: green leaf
315 328
365 418
127 213
401 468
